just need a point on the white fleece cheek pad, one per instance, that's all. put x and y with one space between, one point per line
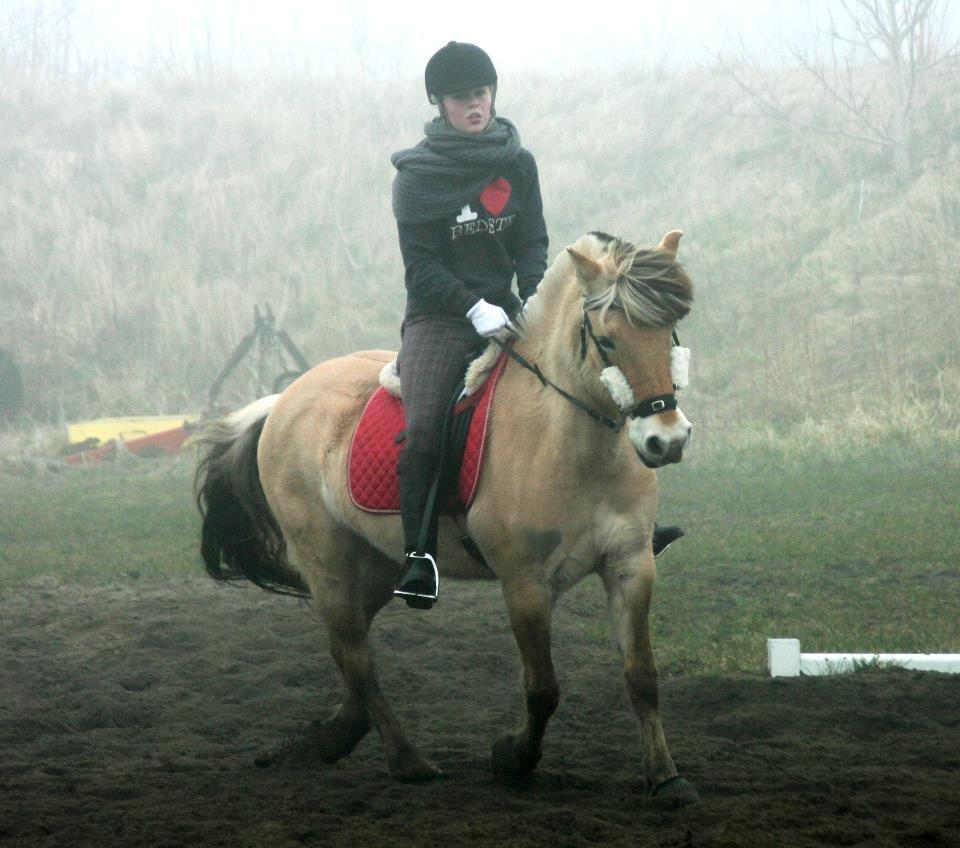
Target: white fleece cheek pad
618 387
620 390
680 366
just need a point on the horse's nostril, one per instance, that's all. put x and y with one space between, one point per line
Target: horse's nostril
655 446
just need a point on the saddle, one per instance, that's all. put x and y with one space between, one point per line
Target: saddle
378 440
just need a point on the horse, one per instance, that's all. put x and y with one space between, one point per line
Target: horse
272 490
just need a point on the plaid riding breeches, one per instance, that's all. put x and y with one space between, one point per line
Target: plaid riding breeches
431 361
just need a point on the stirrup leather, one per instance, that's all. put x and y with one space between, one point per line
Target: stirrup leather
419 584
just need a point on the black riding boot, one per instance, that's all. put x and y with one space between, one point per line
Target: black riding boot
419 583
663 537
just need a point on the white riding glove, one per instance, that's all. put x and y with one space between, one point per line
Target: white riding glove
487 318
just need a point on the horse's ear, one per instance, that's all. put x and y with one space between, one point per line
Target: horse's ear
671 241
587 269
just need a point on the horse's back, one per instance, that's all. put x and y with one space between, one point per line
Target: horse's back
334 387
312 421
357 369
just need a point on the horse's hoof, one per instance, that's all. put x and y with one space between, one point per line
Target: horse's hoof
327 741
335 739
506 760
673 793
416 770
266 759
424 775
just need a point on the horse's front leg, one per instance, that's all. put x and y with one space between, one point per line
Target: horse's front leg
629 584
530 606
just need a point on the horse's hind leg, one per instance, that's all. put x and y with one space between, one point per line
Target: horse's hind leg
349 590
530 606
336 737
629 585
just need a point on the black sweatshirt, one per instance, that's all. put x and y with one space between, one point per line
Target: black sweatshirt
453 262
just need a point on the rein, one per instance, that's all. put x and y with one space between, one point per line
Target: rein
644 409
534 369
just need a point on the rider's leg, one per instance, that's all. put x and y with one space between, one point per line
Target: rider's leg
430 364
419 583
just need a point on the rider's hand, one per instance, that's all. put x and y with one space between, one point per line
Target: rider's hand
487 318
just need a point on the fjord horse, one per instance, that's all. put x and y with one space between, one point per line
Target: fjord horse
273 491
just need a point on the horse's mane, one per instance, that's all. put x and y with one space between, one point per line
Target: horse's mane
649 284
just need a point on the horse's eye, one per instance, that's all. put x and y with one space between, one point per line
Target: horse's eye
606 343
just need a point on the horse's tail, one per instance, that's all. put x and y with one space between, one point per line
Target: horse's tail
241 539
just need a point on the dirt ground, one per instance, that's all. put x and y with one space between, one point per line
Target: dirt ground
133 716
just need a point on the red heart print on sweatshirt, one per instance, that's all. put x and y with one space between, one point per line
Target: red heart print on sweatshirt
495 196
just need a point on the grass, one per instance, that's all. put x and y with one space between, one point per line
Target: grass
126 521
856 553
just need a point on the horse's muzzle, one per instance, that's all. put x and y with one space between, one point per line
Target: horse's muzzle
659 443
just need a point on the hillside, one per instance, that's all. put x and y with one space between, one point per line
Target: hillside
141 223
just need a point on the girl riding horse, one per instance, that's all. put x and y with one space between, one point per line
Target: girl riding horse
469 218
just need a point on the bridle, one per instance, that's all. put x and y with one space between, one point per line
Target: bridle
644 409
652 405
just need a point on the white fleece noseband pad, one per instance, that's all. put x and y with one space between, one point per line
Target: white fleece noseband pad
620 390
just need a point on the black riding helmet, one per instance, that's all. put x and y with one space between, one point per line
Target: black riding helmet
455 67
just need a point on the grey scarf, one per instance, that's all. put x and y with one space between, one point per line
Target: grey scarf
448 168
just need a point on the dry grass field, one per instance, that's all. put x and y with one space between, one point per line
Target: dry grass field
145 219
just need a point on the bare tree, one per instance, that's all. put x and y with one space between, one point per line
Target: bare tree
36 41
905 40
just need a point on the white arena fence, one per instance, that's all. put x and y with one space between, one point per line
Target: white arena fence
784 659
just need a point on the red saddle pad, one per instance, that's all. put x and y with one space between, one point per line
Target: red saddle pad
374 451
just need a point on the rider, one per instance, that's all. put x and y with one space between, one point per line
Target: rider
469 217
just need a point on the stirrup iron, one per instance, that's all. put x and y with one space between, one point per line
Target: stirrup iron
419 584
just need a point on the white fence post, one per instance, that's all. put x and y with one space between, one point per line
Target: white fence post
783 657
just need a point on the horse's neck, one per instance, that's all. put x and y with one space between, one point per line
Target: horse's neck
548 334
552 342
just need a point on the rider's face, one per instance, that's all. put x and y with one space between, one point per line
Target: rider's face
469 111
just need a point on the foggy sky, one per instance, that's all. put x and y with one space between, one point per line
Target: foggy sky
394 39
